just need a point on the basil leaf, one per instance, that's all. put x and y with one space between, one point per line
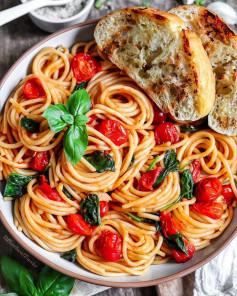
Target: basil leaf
17 277
81 85
75 143
90 209
16 184
81 119
132 161
67 193
54 283
70 255
181 245
101 161
30 125
176 235
68 118
186 184
79 102
53 115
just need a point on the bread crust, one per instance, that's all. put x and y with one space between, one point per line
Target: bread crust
191 96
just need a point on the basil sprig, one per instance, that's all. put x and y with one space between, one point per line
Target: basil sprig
30 125
70 255
81 85
21 281
90 209
59 116
101 161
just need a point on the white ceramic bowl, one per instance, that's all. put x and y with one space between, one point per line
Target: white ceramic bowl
51 26
157 273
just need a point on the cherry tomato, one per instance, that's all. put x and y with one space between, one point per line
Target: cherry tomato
180 257
228 194
78 225
169 225
92 119
50 193
104 208
196 170
159 116
84 67
148 179
40 161
113 130
109 246
43 179
213 210
33 89
208 189
166 132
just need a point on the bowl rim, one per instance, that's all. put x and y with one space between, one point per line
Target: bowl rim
87 6
101 282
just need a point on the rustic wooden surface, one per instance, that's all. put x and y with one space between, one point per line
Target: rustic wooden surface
15 38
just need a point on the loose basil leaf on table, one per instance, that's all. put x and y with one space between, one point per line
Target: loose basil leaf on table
101 161
17 277
54 114
80 86
30 125
53 283
79 103
16 184
186 184
70 255
90 209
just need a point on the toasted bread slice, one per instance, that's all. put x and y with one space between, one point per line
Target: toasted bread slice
220 43
163 56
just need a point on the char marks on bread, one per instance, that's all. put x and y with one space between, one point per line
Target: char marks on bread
163 56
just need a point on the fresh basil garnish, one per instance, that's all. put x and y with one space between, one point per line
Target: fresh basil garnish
67 193
16 183
54 114
186 184
30 125
81 85
79 103
70 255
101 161
90 209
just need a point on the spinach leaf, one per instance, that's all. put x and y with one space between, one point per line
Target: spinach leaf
135 218
30 125
54 114
16 184
167 241
153 163
67 193
170 158
81 119
101 161
17 277
53 283
81 85
79 102
70 255
90 209
186 184
132 161
75 143
181 245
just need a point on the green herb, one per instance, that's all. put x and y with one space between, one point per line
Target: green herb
135 218
171 165
9 294
99 4
176 235
170 205
186 184
145 3
30 125
191 128
67 193
153 163
185 165
90 209
101 161
132 161
81 85
59 116
200 2
70 255
16 184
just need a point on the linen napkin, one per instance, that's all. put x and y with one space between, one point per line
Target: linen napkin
85 289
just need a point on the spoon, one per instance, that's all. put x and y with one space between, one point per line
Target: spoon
19 10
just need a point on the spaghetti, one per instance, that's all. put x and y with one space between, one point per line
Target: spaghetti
115 97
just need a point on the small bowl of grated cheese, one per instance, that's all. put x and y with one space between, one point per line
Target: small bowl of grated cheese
54 18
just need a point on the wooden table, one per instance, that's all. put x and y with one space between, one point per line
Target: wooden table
15 38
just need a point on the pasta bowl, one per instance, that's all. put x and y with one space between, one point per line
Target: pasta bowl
157 273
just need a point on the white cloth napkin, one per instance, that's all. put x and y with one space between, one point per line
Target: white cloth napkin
219 276
85 289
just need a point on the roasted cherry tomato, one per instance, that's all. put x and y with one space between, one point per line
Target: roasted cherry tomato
228 194
113 130
196 170
92 119
78 225
33 89
40 161
213 210
208 189
159 116
84 67
109 246
43 179
148 179
166 132
169 225
104 208
49 192
180 257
